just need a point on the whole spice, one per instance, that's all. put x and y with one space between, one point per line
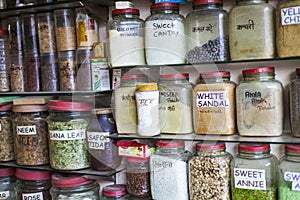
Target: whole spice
33 76
67 70
49 72
15 34
66 38
17 75
46 33
6 133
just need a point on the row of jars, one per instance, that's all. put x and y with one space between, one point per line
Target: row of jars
207 34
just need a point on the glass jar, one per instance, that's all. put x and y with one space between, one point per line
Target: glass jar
67 125
32 184
17 73
46 33
126 38
138 177
168 171
4 62
175 107
288 173
214 104
207 32
6 133
7 182
15 34
83 69
125 103
30 33
32 72
30 131
251 19
74 187
49 72
259 103
115 192
165 35
67 70
253 172
294 101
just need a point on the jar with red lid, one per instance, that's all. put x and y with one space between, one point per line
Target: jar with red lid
253 172
6 133
7 182
115 192
259 103
67 125
294 101
74 187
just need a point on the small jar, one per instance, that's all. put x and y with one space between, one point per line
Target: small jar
7 182
67 125
83 69
6 133
259 103
31 131
4 62
115 192
49 72
15 34
207 32
138 177
30 33
126 38
288 173
67 70
33 184
294 102
214 104
168 171
165 35
17 73
32 72
253 172
74 187
46 33
251 19
175 109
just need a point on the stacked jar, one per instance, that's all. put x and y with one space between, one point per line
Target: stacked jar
4 62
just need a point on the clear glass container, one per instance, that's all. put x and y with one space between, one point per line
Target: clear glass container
46 33
253 172
83 69
4 62
115 192
7 182
126 38
165 39
32 72
17 73
251 19
6 133
30 33
294 102
49 72
15 34
207 32
259 103
67 70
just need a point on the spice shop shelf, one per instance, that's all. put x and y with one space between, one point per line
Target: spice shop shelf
58 93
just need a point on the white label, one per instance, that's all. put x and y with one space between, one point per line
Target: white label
212 99
290 15
100 76
68 135
33 196
4 194
97 140
26 130
0 127
294 177
254 179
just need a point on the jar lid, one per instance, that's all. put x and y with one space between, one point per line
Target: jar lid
165 4
6 107
102 111
168 143
114 190
137 160
29 108
199 2
251 147
30 175
69 181
7 171
3 32
258 70
146 87
292 148
209 146
132 76
69 105
126 10
171 76
214 74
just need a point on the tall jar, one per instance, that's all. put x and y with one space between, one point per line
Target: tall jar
214 104
4 62
30 33
165 39
253 172
67 70
252 30
7 182
30 132
49 72
175 101
288 173
33 80
168 171
15 34
115 192
6 133
125 103
67 125
83 69
126 38
73 187
207 32
294 102
259 103
17 73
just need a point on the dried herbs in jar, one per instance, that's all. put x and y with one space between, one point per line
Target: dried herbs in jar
6 133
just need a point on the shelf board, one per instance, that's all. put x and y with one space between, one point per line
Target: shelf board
58 93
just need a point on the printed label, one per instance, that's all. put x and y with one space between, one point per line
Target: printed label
212 99
26 130
97 140
68 135
250 179
248 26
290 15
81 31
33 196
162 164
100 76
4 194
294 177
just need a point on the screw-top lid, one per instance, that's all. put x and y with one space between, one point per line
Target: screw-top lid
137 160
30 108
168 143
165 4
258 70
69 181
7 171
132 76
69 105
199 2
3 32
292 148
126 10
102 111
175 76
210 146
114 190
252 147
6 107
147 86
30 175
214 74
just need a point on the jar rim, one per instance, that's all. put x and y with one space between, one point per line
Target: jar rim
172 76
7 171
132 76
6 107
164 4
292 148
199 2
259 70
69 105
170 143
114 190
30 175
210 146
29 108
69 181
125 10
253 147
215 74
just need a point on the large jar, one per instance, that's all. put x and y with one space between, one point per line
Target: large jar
214 104
67 124
74 187
288 173
253 172
252 30
175 103
207 32
6 133
259 103
209 172
165 39
294 100
115 192
7 182
169 174
30 132
126 38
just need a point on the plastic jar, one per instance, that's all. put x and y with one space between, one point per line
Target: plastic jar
67 70
126 38
115 192
294 101
30 33
209 172
175 109
252 30
32 72
253 172
83 69
67 125
73 187
207 32
259 103
15 34
125 103
4 62
32 184
17 73
165 35
7 182
46 33
30 130
6 133
49 72
168 171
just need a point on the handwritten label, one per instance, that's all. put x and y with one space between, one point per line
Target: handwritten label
249 26
33 196
130 31
165 28
146 102
212 99
199 29
169 96
250 179
26 130
258 101
68 135
4 195
294 177
97 140
290 15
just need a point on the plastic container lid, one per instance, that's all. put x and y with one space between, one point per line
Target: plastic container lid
32 175
69 181
132 76
199 2
6 107
126 10
167 143
114 190
69 105
3 32
137 160
165 4
251 147
292 148
175 76
8 171
30 108
214 74
209 146
146 87
259 70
